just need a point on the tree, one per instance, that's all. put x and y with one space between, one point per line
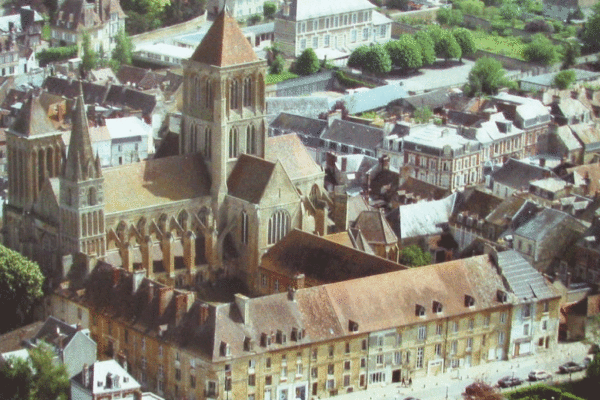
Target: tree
15 379
448 47
254 19
50 380
427 49
378 60
473 7
89 60
486 76
398 4
269 9
510 10
465 40
414 256
591 31
405 53
277 65
307 63
564 79
358 57
449 16
153 7
571 50
123 48
20 287
540 50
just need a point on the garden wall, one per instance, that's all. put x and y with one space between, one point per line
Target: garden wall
302 86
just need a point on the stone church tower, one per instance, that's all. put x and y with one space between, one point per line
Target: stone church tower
224 102
81 196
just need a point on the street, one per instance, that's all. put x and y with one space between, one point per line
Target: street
452 385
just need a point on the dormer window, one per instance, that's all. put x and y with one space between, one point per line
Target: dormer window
225 349
419 310
297 334
501 296
281 337
437 307
248 344
352 326
265 340
469 301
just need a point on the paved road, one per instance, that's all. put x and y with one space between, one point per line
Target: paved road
451 386
444 75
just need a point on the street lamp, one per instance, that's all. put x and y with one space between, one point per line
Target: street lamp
447 391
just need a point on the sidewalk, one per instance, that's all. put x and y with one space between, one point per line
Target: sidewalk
451 385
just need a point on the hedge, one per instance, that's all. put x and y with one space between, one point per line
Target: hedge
351 82
542 391
55 54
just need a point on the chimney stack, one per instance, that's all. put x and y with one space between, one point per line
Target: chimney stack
165 293
85 376
203 312
242 303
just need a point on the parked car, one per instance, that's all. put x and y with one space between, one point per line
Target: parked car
539 375
410 398
570 366
509 381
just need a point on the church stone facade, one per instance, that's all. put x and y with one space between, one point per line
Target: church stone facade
213 209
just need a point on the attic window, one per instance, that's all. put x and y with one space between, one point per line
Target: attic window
225 349
419 310
265 340
248 345
352 326
281 337
501 296
469 301
437 307
297 334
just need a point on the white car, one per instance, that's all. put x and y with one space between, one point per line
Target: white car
539 375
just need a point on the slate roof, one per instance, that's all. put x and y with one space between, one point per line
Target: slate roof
517 174
422 189
292 154
287 122
588 134
589 171
548 79
476 202
249 178
98 381
14 340
523 280
358 135
310 106
422 219
224 44
55 332
432 99
372 99
375 228
305 9
154 182
32 120
568 139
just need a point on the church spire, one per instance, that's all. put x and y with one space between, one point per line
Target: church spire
80 159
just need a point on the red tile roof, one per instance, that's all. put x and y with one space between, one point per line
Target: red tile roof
224 44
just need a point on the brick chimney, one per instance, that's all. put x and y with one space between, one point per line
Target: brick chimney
203 313
165 294
242 303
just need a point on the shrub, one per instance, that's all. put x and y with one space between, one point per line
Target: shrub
539 25
56 54
540 50
269 9
277 65
564 79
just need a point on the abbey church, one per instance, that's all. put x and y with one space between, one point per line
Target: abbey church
215 208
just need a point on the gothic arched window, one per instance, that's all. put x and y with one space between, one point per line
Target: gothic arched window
208 94
279 225
234 93
251 139
233 143
248 92
207 142
244 228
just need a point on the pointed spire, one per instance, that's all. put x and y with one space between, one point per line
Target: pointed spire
32 119
80 147
224 44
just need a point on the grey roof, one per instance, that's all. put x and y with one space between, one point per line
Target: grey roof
433 99
517 174
424 218
548 79
378 97
523 280
567 138
309 107
358 135
545 221
299 124
305 9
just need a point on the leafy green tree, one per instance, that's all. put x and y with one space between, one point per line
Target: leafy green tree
510 10
571 50
486 76
277 65
449 16
465 40
473 7
405 53
50 379
414 256
254 19
427 48
564 79
378 60
448 47
20 287
307 63
153 7
398 4
540 50
269 9
89 60
123 48
15 379
591 31
358 57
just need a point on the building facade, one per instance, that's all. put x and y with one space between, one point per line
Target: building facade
303 24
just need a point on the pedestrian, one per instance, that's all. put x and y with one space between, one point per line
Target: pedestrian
403 382
409 381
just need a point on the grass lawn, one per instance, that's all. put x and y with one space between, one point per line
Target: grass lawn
508 46
276 78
